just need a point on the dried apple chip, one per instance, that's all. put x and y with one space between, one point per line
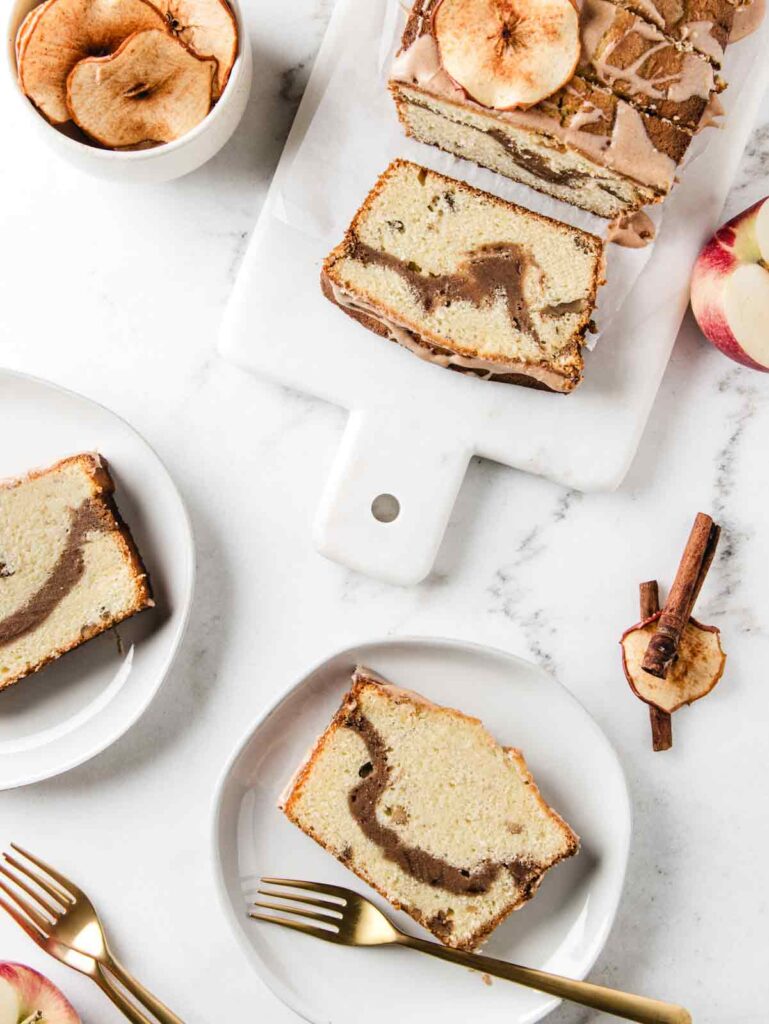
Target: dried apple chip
152 89
68 31
508 53
694 673
208 28
25 28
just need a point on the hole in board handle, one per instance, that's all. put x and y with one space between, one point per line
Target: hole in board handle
385 508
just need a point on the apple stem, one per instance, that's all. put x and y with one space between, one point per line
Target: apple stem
34 1018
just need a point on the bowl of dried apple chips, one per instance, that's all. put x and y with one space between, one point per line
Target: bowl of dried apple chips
134 90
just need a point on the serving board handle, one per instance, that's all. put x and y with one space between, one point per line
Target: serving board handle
390 494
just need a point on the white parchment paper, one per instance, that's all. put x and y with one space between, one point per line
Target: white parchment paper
355 133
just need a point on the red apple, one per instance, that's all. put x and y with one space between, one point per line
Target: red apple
26 997
730 288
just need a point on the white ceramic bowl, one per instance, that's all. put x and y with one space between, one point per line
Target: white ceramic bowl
149 166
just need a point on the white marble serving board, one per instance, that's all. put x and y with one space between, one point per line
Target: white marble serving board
413 427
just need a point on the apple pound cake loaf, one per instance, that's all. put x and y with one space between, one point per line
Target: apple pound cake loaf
423 804
467 280
593 103
68 567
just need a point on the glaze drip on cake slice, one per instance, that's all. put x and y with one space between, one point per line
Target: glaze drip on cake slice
467 280
458 846
68 567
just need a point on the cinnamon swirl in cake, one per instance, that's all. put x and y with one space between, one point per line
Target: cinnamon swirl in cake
423 804
69 569
467 280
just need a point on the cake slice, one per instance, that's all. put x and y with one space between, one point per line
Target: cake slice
584 145
467 280
423 804
69 569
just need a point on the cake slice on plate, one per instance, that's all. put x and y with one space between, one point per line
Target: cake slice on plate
69 569
423 804
467 280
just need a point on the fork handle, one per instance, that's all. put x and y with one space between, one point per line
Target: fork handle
620 1004
126 1007
140 993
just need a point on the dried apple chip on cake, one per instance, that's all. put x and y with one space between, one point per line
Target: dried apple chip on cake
423 804
507 56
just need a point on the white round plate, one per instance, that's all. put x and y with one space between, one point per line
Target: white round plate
562 930
77 706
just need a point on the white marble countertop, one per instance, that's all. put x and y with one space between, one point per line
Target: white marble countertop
118 293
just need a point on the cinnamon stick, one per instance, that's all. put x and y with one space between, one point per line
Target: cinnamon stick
661 721
650 599
662 728
697 559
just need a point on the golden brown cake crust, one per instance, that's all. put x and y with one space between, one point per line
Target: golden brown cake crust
363 679
97 469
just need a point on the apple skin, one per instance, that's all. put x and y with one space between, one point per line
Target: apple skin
25 993
730 288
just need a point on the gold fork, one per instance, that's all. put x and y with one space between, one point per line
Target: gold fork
351 920
84 964
65 919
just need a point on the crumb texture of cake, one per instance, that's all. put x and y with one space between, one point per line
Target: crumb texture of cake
467 280
611 139
423 804
69 569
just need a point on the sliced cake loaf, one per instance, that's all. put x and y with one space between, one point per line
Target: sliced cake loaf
467 280
609 139
68 567
583 145
422 803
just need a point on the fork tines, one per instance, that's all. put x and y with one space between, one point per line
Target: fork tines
330 921
47 900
